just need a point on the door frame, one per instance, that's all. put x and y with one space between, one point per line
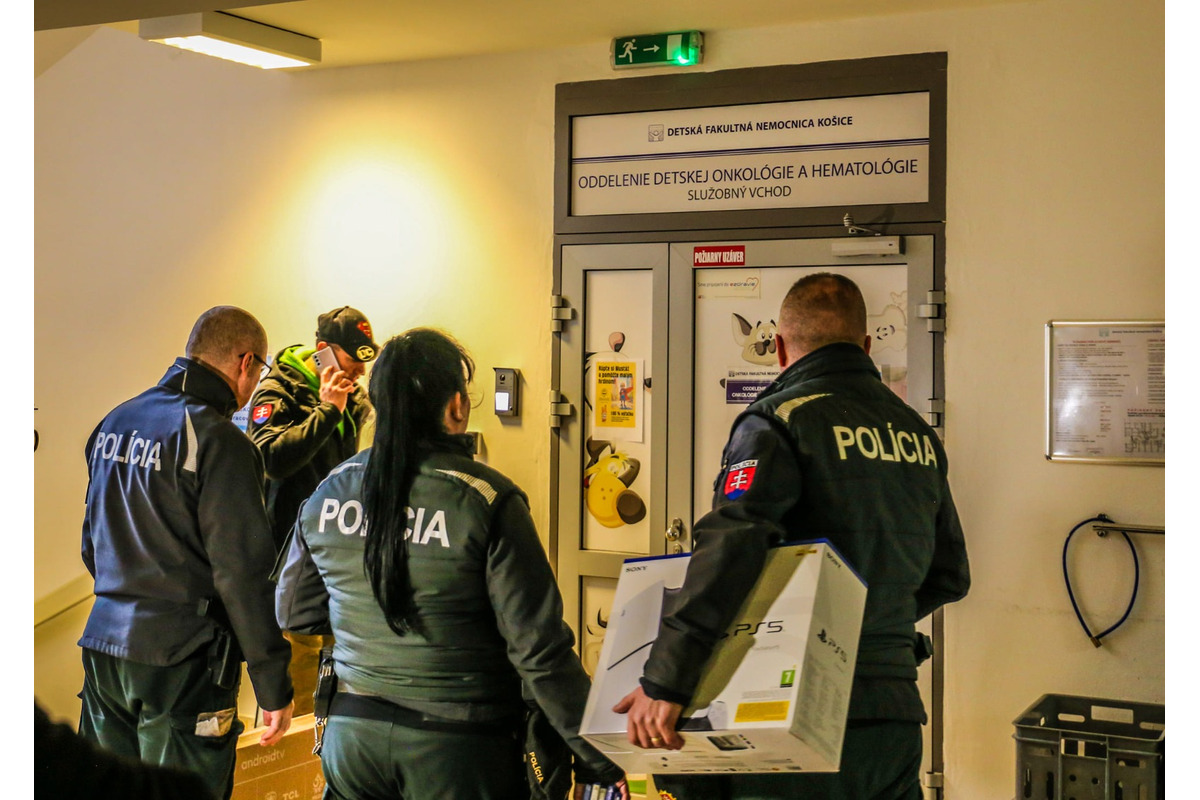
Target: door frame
935 230
922 72
572 594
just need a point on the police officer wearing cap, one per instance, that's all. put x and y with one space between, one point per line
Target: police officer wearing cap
305 420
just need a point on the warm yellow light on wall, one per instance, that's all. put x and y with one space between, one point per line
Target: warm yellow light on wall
233 38
373 215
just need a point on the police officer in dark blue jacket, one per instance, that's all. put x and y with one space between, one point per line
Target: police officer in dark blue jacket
826 451
175 535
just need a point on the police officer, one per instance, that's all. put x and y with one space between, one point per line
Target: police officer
826 451
456 615
175 534
307 420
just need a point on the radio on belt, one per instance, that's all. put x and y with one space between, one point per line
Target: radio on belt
508 392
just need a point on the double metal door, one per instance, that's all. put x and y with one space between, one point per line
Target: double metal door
665 343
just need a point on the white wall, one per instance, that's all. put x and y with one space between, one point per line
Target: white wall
167 183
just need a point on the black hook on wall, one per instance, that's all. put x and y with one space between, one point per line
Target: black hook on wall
1103 525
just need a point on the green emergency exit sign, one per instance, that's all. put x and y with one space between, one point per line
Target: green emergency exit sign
679 49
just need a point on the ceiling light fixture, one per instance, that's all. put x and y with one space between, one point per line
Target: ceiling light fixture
233 38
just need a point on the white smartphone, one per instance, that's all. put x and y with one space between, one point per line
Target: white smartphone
325 358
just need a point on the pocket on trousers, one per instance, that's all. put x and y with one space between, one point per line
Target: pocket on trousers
213 726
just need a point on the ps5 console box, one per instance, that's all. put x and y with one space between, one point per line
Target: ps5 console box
774 695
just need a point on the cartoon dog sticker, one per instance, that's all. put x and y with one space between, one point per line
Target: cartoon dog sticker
607 479
757 341
889 328
593 639
889 342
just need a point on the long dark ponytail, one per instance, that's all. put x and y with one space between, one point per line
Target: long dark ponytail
416 375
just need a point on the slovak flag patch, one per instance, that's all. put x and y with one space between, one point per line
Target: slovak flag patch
739 477
262 413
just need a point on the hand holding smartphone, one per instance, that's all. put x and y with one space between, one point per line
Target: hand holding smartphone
337 391
325 358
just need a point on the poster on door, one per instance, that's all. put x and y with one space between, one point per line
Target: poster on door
618 400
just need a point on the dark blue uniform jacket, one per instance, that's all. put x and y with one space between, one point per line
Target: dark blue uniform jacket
174 516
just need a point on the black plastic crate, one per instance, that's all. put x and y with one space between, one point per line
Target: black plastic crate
1090 748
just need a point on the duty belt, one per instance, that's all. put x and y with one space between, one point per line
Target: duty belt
362 706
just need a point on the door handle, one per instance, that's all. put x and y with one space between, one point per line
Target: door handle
673 534
675 530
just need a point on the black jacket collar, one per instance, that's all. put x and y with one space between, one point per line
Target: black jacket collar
836 357
462 444
201 382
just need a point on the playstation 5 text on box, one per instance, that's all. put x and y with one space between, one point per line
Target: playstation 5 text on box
774 695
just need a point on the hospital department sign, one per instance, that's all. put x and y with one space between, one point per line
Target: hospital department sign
800 154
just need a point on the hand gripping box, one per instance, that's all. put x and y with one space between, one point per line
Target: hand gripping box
774 695
287 769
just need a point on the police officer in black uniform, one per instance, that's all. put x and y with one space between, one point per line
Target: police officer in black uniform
456 617
826 451
175 534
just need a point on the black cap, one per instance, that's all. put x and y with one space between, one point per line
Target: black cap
349 329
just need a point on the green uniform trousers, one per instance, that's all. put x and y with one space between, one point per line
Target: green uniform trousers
366 759
881 760
172 716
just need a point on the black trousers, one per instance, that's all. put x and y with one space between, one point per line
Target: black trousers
171 715
881 760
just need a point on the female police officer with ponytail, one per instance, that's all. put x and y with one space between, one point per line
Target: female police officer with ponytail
427 568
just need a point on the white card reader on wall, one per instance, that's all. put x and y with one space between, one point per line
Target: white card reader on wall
508 392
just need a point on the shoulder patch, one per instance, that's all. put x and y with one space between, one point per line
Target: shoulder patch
345 465
478 484
785 409
191 461
262 413
739 478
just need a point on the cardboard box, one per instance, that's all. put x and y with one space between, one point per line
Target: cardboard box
285 771
774 695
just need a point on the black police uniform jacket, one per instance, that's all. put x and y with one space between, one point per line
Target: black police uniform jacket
301 437
488 620
175 516
827 451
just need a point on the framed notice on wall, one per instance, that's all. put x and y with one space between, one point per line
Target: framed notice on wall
1106 392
